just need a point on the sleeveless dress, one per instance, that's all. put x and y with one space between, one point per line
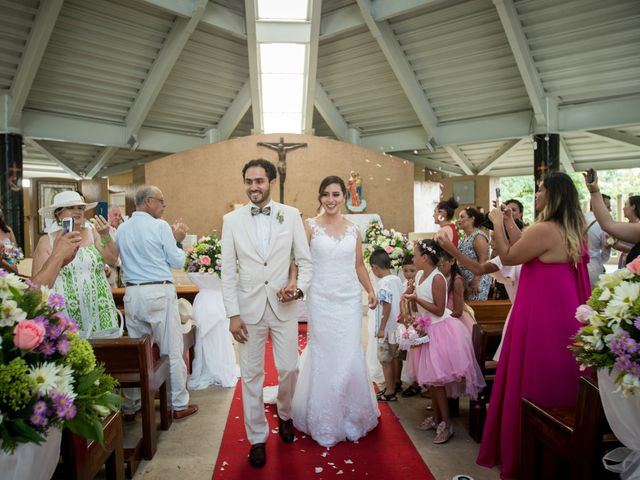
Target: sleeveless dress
454 239
86 291
448 359
466 318
535 362
334 399
466 247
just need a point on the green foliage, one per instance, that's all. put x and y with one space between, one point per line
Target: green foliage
15 385
612 182
80 357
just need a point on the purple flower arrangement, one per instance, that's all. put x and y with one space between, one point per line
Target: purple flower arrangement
48 374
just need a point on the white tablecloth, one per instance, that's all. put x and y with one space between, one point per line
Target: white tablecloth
214 360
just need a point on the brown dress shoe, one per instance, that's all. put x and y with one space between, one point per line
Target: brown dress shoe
187 412
129 417
286 430
257 455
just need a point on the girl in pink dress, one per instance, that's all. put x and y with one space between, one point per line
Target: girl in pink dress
535 362
446 363
455 291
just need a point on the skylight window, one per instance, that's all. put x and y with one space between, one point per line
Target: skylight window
296 10
282 83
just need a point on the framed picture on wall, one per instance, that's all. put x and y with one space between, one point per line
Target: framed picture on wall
46 190
464 191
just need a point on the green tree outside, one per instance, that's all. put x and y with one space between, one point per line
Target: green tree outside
612 182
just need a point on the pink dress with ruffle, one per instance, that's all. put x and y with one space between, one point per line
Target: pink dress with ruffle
448 359
535 362
466 318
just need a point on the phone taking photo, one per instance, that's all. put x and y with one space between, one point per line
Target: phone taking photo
67 225
498 196
591 175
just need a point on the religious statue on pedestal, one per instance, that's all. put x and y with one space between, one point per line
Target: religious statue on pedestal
355 202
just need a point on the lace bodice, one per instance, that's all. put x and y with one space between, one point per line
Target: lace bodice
333 257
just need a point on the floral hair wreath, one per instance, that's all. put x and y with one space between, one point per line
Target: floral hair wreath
425 246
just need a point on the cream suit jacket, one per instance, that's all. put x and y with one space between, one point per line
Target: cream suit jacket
250 278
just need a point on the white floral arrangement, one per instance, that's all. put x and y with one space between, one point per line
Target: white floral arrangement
610 337
391 241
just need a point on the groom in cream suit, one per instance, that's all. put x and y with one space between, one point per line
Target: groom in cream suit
259 241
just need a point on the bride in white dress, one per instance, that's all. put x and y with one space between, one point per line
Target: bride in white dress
334 399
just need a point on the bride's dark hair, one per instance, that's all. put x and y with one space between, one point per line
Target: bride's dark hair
330 180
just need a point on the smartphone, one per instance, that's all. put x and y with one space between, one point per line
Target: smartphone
102 209
67 225
591 175
498 196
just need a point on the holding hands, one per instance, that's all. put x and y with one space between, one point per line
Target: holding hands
288 293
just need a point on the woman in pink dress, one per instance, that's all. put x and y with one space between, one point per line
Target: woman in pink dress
535 362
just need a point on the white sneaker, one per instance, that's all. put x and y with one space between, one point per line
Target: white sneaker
443 433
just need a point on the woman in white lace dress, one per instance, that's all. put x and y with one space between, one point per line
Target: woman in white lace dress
334 399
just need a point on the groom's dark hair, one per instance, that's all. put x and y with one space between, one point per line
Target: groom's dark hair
380 258
269 168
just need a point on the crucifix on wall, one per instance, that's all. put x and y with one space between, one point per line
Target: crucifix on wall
282 148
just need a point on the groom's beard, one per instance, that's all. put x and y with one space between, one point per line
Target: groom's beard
258 197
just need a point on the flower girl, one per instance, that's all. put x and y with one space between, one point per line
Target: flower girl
447 362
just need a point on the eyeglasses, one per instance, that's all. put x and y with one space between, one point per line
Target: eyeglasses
161 200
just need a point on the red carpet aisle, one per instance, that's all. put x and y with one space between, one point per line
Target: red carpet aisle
386 453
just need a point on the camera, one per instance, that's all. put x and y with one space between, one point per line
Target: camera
67 225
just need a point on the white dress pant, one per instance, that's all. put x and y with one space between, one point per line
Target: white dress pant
284 337
153 309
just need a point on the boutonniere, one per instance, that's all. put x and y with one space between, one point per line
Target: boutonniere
280 216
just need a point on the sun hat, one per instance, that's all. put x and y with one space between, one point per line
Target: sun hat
185 309
65 199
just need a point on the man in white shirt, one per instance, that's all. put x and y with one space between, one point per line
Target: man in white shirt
599 251
149 248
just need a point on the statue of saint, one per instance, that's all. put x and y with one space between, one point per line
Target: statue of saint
353 196
282 148
355 202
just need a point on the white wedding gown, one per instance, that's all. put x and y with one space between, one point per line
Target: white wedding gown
334 399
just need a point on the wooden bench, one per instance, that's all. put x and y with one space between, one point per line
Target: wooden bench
82 459
486 335
130 361
566 442
490 312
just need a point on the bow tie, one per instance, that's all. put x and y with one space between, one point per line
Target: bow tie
258 211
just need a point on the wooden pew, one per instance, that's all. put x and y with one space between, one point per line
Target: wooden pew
130 361
490 317
82 459
490 312
566 442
